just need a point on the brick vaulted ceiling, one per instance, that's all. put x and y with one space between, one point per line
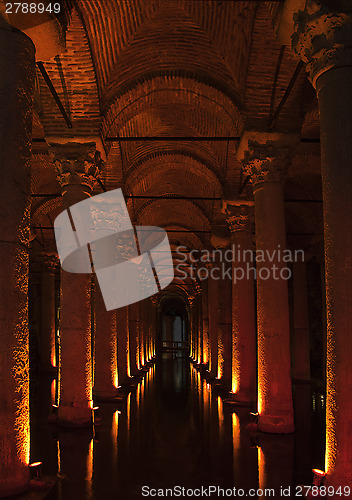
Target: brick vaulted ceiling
173 68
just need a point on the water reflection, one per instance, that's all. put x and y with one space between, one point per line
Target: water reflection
174 430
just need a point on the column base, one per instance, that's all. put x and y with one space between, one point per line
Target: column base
276 424
74 416
109 397
241 399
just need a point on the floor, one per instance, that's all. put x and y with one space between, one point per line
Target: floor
174 431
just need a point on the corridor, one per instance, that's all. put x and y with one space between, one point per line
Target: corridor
174 430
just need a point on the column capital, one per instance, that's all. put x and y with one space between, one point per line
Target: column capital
77 163
322 35
191 298
239 215
50 263
154 300
265 156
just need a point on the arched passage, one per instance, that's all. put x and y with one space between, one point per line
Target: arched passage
173 325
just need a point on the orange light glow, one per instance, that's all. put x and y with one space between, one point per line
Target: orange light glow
319 472
236 441
235 378
220 357
261 468
128 414
21 361
89 476
220 416
53 392
115 427
113 359
53 349
58 458
331 439
115 434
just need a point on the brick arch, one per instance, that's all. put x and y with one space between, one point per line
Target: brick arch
182 93
149 174
166 213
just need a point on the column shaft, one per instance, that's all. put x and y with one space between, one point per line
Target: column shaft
105 363
301 334
335 104
17 66
213 305
244 356
123 345
274 360
48 319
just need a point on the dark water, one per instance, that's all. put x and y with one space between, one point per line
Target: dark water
174 431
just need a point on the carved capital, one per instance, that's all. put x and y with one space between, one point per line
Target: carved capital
322 37
239 217
265 163
50 263
191 299
155 301
197 288
265 156
77 164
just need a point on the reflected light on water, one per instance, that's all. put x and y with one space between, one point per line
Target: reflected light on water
261 468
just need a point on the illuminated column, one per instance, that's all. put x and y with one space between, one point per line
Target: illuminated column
133 327
323 39
17 65
301 334
48 314
200 330
105 360
197 323
213 305
205 317
154 310
77 168
123 344
244 354
225 326
265 157
191 300
150 315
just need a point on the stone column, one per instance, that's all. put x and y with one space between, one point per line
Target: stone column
225 326
265 158
301 334
213 308
77 169
48 361
123 345
191 301
154 311
133 326
323 39
105 363
17 66
205 316
197 327
244 355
